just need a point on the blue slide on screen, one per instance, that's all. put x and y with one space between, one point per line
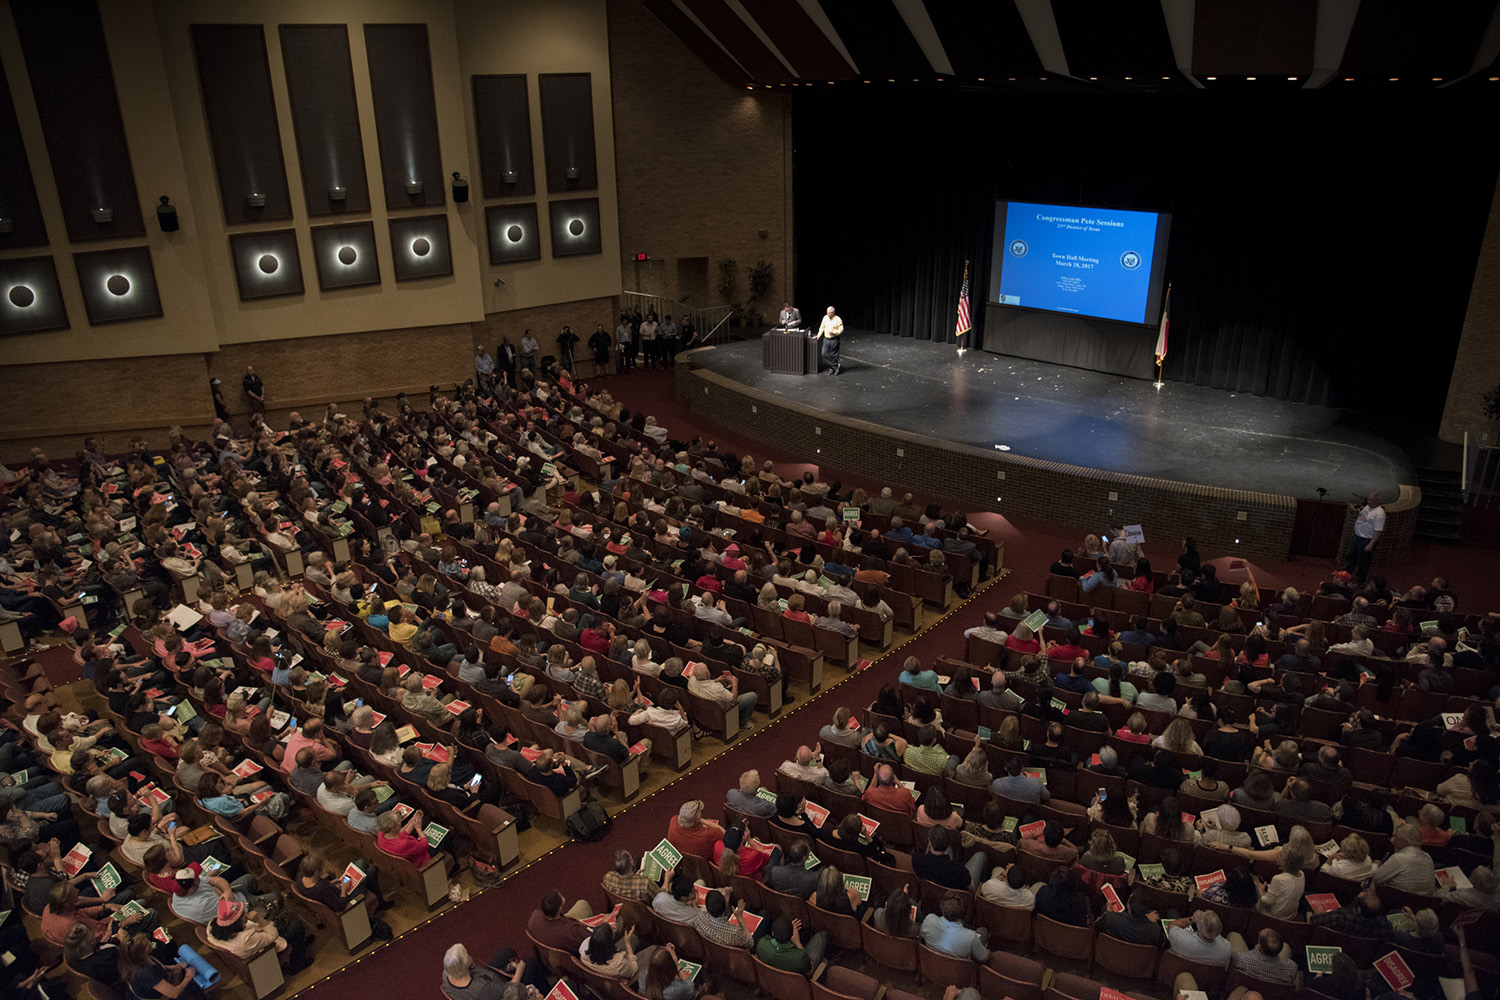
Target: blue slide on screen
1096 262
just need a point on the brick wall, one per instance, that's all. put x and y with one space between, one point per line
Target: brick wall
701 167
53 405
1049 491
1476 370
545 323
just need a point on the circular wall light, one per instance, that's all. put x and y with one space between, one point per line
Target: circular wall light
22 296
347 255
117 284
421 247
514 234
576 227
268 263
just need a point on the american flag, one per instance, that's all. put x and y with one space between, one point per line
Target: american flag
1166 323
963 306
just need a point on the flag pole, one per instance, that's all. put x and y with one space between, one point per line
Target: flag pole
960 337
1161 344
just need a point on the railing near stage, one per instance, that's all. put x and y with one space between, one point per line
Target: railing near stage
710 320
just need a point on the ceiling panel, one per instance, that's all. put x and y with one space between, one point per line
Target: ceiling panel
877 39
1398 38
1274 37
735 35
705 48
1123 37
984 39
799 38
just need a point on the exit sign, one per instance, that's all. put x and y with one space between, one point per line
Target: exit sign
640 256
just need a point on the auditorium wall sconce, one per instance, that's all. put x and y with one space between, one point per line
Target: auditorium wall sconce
118 285
514 233
30 300
460 188
104 216
256 199
420 247
575 227
345 255
266 264
413 188
166 215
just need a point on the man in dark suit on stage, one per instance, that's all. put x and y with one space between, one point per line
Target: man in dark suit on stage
791 316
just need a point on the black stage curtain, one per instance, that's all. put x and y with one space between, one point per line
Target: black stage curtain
1323 243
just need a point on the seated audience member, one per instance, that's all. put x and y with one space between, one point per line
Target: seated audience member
945 932
691 833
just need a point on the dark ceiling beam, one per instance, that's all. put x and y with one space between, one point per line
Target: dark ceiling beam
798 38
702 46
739 41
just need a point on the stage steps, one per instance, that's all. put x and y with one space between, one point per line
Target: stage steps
1441 518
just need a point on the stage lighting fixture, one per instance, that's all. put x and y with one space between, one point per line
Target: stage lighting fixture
103 216
338 193
413 188
460 188
256 199
571 173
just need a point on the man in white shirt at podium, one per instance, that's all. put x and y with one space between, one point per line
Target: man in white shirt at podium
829 331
791 316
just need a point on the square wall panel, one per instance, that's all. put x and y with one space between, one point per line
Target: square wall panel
266 264
345 255
514 234
30 299
575 227
118 284
420 248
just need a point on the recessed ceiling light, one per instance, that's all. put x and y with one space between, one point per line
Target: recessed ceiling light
1130 78
1166 78
1249 78
1348 79
1394 79
1437 79
1210 78
1093 78
1292 78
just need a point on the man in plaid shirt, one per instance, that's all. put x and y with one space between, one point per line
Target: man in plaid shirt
628 882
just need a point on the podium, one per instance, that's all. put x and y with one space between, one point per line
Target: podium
789 352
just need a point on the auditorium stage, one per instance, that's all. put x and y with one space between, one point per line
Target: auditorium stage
1183 433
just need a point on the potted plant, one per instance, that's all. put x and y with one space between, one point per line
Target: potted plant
761 277
729 287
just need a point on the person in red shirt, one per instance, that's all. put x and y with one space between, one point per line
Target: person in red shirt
709 582
732 857
1070 648
309 736
406 840
557 929
1023 640
596 639
886 793
157 742
732 560
794 609
691 834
